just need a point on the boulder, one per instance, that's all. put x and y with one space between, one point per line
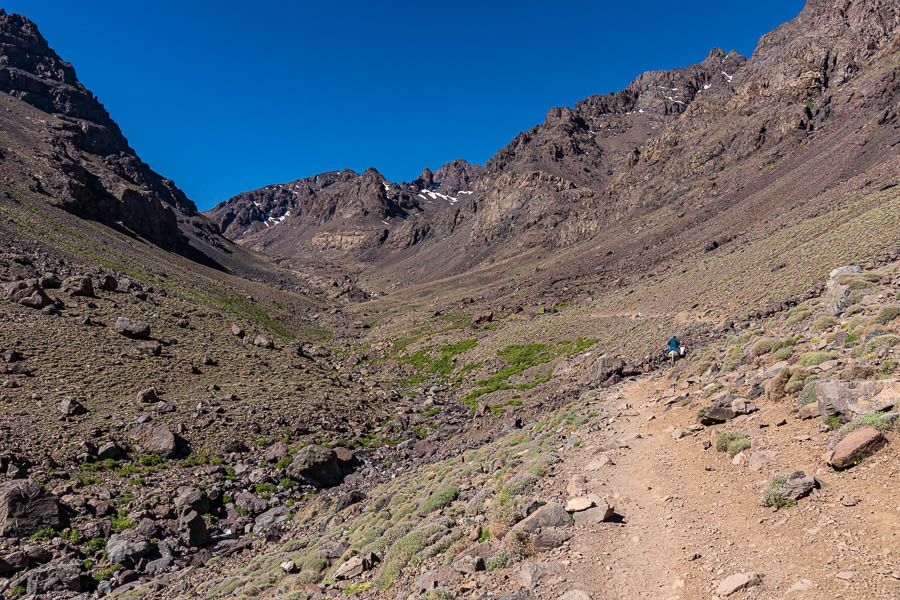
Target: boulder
548 539
125 549
252 503
263 341
191 499
797 485
27 294
237 330
604 368
108 283
317 465
153 438
192 528
270 518
469 564
138 330
726 407
355 566
849 399
737 582
575 595
71 407
25 508
79 285
855 447
148 396
109 450
600 513
808 411
550 515
64 577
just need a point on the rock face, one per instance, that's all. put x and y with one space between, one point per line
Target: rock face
26 508
849 399
317 465
154 438
855 447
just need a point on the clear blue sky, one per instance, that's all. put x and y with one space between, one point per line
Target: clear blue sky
226 96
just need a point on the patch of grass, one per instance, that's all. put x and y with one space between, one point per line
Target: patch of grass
834 422
519 358
96 544
823 322
106 572
266 488
762 347
121 523
887 315
439 499
771 496
47 533
498 561
485 535
724 439
359 588
18 590
876 420
738 445
809 393
876 345
812 359
784 353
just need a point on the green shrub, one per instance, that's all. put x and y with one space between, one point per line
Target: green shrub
439 499
834 422
724 439
47 533
811 359
887 314
107 572
498 561
876 420
784 353
18 590
809 393
823 322
771 497
763 346
876 345
738 445
266 488
95 544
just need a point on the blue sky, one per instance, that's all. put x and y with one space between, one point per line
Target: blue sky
227 96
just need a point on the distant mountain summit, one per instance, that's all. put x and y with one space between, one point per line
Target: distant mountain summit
345 210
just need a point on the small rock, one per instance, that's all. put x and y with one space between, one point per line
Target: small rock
138 330
738 582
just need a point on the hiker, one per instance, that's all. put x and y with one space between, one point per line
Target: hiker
675 346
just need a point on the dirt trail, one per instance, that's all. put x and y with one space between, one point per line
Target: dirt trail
691 516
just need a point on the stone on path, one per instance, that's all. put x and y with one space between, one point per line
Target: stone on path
575 595
737 582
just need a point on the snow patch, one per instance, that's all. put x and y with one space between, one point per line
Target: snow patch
727 76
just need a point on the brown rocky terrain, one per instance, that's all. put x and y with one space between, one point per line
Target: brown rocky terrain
454 387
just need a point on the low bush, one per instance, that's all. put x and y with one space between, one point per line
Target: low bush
725 439
738 445
771 496
887 315
812 359
439 499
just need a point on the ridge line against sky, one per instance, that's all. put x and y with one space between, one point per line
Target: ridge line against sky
222 99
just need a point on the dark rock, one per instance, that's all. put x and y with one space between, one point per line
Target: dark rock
153 438
25 508
27 294
71 407
270 519
275 452
193 529
191 499
317 465
79 286
148 396
127 549
138 330
65 577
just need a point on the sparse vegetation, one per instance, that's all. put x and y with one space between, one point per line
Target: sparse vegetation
772 497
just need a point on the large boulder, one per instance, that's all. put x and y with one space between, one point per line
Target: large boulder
27 294
126 549
65 577
79 285
154 438
191 498
192 528
855 447
850 399
838 295
604 368
317 465
726 407
25 509
550 515
271 518
138 330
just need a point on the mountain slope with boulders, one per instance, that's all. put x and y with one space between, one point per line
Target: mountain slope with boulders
454 387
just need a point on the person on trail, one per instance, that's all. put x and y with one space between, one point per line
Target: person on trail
674 346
